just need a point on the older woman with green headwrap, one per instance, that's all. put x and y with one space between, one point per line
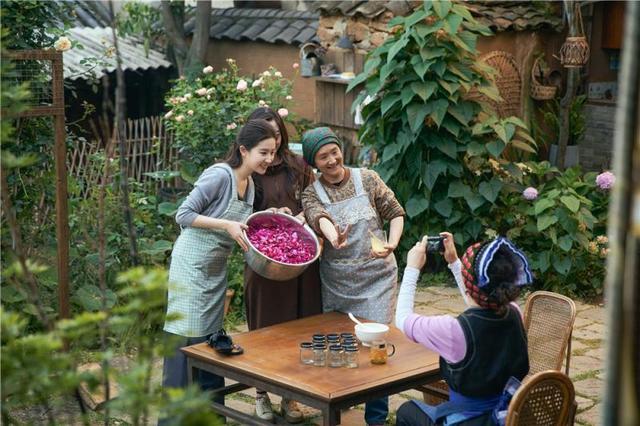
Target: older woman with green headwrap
346 206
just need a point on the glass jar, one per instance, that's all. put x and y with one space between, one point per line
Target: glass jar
349 342
336 356
333 336
319 354
351 356
306 353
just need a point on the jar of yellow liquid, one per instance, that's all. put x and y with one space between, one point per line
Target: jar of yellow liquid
377 245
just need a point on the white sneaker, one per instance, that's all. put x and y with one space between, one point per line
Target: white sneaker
263 408
290 411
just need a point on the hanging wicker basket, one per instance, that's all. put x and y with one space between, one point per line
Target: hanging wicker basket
574 53
539 91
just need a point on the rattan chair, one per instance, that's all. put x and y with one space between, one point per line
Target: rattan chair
548 321
545 399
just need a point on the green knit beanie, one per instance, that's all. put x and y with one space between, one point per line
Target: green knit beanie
314 139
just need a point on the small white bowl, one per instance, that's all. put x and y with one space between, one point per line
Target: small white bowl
370 331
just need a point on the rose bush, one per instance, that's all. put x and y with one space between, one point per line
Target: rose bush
205 112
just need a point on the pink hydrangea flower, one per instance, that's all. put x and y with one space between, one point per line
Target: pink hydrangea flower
283 112
605 180
530 193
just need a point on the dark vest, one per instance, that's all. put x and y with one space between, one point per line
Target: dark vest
496 350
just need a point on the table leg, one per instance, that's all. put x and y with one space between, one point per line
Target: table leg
330 416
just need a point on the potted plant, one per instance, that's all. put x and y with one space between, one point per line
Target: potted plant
577 126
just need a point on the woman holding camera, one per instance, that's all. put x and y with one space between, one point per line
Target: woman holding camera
483 347
346 205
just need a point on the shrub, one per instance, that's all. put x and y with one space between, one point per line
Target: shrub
439 145
206 112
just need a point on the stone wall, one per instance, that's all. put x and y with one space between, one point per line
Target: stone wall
596 147
366 34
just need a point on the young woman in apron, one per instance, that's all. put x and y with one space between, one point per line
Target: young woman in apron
480 350
270 302
211 220
346 206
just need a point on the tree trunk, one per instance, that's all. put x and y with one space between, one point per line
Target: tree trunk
200 41
174 27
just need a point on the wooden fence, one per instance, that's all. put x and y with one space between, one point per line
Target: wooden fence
148 150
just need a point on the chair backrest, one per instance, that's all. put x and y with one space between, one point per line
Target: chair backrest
545 399
548 321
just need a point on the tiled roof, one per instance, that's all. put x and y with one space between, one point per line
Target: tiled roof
268 25
95 41
499 15
90 13
516 15
368 9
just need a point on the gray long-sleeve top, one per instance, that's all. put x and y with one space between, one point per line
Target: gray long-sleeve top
209 197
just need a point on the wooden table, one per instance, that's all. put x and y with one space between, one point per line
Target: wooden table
271 361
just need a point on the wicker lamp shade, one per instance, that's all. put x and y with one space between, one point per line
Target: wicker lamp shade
574 53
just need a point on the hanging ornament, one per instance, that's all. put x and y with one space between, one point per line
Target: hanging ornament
574 52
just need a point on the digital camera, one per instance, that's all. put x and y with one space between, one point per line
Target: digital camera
435 244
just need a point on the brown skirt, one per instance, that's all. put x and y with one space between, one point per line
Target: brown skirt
272 302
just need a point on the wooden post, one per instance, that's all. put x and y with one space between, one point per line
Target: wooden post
62 212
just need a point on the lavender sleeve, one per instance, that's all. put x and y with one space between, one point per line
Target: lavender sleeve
439 333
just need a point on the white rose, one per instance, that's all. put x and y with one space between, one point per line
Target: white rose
62 44
231 126
179 118
207 70
277 74
257 83
190 112
283 112
289 97
201 92
242 86
187 96
168 115
266 74
261 103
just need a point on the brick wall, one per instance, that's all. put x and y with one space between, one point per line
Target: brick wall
596 147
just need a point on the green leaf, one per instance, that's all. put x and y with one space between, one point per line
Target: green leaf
510 130
424 90
522 146
501 132
406 95
490 92
495 148
397 47
158 247
416 112
415 18
428 53
449 87
562 264
167 209
475 148
571 202
444 207
458 189
387 102
390 151
442 8
387 69
416 205
565 242
542 204
546 221
452 23
449 147
490 190
424 30
544 261
474 200
463 112
439 109
431 171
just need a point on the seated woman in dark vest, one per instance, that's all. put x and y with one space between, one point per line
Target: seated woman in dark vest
483 347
